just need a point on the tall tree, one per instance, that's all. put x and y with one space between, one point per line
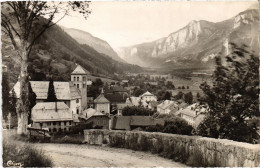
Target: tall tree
233 98
188 98
51 97
5 95
24 22
32 99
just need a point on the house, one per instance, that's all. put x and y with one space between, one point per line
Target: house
102 104
97 118
55 116
65 92
193 114
166 106
116 90
133 122
133 101
147 97
117 102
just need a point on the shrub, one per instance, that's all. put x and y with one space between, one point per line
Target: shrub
24 154
72 139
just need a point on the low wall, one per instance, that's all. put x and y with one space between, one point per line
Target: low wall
192 150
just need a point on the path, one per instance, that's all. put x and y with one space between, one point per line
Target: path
72 155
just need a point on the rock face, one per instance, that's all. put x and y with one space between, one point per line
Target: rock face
192 150
98 44
196 44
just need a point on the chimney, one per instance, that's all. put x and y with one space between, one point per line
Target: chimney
56 106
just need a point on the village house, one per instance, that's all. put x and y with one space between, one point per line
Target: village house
117 101
55 116
102 104
147 97
167 106
193 114
97 118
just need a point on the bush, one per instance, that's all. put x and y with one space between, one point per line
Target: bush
24 154
72 139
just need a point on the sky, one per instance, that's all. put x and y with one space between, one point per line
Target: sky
129 23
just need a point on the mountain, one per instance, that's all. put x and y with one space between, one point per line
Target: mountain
55 56
196 44
98 44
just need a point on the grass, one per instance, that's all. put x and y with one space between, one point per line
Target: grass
22 154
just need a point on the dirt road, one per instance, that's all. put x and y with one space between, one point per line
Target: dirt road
70 155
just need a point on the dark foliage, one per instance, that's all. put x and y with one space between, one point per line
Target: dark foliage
32 99
51 97
233 98
188 98
137 111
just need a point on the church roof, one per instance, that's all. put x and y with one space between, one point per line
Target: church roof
63 90
79 70
101 99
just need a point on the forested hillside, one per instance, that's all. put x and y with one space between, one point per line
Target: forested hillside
56 54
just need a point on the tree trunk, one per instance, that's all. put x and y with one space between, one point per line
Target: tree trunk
23 102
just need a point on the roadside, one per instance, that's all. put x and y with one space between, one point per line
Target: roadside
71 155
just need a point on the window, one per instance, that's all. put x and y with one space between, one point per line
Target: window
77 100
83 85
84 78
77 78
77 85
59 129
54 123
70 123
74 78
54 129
77 111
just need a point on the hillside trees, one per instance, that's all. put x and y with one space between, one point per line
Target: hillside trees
234 97
24 22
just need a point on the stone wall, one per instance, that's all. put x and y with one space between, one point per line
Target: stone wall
192 150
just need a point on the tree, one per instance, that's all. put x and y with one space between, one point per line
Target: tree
233 98
32 99
198 96
188 98
24 22
137 111
169 85
5 95
12 104
167 96
51 97
179 95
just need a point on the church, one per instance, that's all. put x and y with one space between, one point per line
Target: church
73 95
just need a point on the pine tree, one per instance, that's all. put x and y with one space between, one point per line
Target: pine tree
51 93
32 99
233 98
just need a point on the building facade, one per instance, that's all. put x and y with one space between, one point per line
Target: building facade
55 116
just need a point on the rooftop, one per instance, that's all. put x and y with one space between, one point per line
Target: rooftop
46 111
193 110
79 70
63 90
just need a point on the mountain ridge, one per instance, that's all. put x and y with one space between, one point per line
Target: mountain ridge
197 40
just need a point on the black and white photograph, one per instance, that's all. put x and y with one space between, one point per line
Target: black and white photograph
130 83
